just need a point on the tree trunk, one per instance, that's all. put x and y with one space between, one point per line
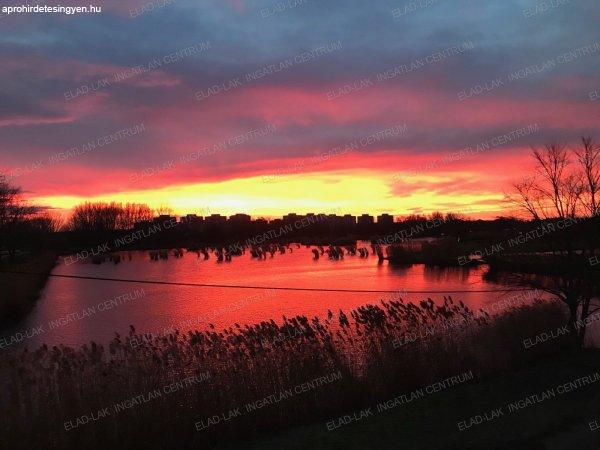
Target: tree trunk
573 307
585 308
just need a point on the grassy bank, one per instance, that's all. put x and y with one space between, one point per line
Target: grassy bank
19 292
561 423
205 389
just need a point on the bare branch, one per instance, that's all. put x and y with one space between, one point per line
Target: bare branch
588 156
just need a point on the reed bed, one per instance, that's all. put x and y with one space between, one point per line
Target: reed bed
201 380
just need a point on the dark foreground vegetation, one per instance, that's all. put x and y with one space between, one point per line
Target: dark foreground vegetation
565 422
18 296
204 388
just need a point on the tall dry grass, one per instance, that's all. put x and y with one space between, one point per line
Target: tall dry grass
378 351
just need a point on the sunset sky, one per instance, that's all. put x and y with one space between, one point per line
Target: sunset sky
268 107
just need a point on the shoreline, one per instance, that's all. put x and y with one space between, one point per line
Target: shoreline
17 298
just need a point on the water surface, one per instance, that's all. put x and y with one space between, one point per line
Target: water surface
75 311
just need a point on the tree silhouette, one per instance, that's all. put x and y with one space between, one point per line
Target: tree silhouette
562 199
103 217
14 212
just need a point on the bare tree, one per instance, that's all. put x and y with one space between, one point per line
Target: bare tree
99 217
561 187
12 206
588 156
164 210
562 192
45 222
527 197
552 162
14 211
95 217
132 213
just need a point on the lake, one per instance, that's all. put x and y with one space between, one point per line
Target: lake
76 311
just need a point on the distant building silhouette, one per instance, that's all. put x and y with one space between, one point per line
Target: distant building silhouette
385 220
365 220
290 218
219 228
349 220
192 221
365 223
215 219
240 219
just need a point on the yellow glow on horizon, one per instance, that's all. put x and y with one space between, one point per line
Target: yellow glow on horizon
341 193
